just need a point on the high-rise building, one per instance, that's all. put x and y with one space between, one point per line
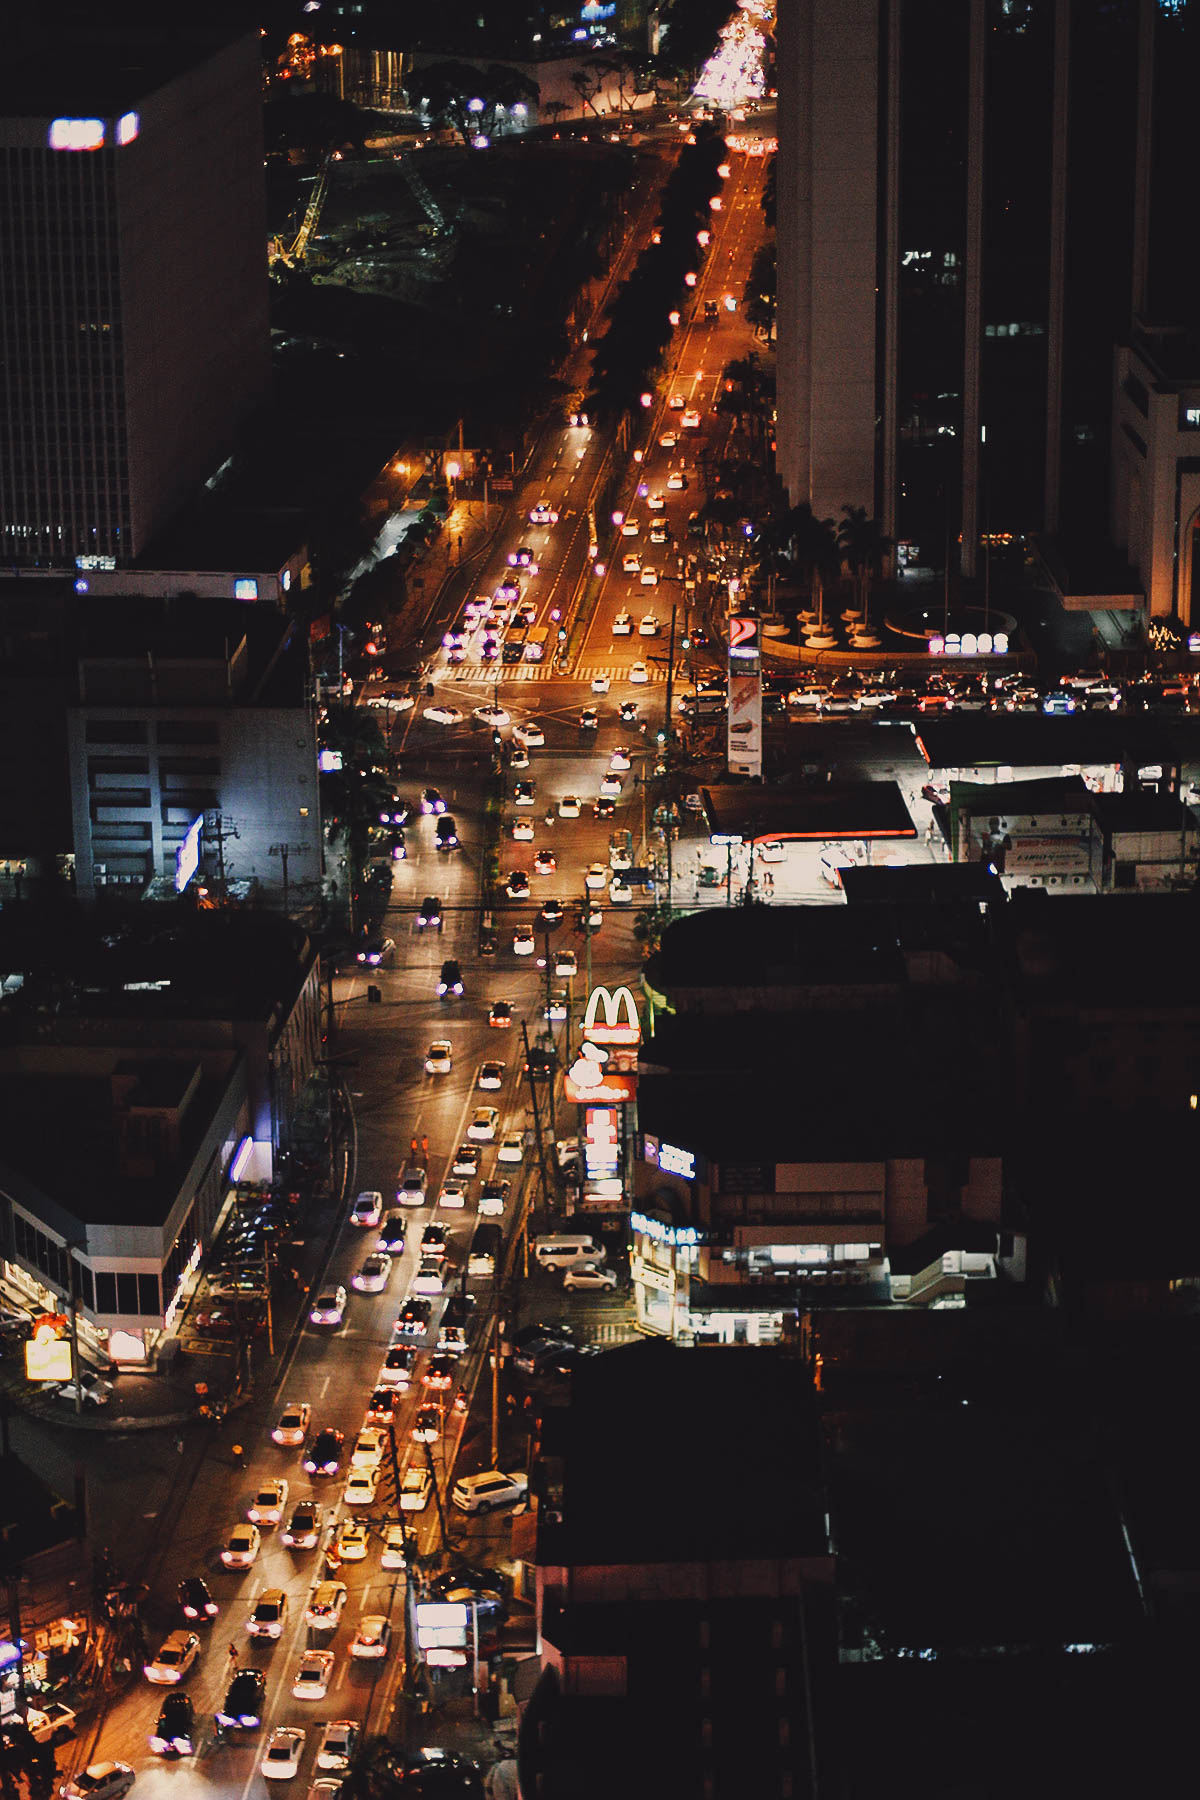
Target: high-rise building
134 333
977 200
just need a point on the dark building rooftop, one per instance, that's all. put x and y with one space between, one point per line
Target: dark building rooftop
855 809
157 963
735 948
786 1086
1099 953
646 1414
1049 794
95 73
983 740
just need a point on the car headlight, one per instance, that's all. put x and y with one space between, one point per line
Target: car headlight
249 1720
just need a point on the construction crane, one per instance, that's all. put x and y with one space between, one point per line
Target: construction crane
295 252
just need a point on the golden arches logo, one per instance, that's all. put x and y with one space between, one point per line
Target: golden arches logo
612 1005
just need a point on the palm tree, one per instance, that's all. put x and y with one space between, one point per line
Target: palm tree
863 547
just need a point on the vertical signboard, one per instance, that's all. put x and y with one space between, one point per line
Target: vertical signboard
745 724
744 715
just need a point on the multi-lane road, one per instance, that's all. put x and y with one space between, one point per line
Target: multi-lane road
192 1505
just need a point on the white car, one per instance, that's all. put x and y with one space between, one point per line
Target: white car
511 1149
415 1486
623 625
430 1277
454 1193
374 1275
601 684
337 1744
269 1502
589 1278
619 762
269 1615
241 1547
491 715
649 624
326 1605
412 1188
481 1493
360 1488
631 562
439 1058
393 1554
649 578
530 734
619 890
639 674
658 532
99 1781
523 941
367 1209
174 1659
630 528
312 1677
596 878
329 1307
676 403
610 786
484 1121
491 1076
397 1368
373 1636
352 1541
522 831
668 440
369 1447
494 1194
677 479
285 1747
690 420
655 502
569 807
444 715
292 1428
543 514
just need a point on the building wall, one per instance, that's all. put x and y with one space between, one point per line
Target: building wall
826 252
1156 483
140 776
133 314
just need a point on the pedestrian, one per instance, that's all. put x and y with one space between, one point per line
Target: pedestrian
232 1653
425 1148
413 1149
238 1453
179 1446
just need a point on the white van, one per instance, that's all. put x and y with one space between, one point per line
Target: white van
567 1250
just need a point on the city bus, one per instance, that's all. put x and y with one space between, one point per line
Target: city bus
535 643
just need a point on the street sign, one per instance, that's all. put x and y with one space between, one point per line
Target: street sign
501 484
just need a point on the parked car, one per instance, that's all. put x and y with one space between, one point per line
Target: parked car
486 1491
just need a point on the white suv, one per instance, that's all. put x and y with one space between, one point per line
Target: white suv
480 1493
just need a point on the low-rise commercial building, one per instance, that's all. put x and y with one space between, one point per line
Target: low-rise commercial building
685 1622
173 1068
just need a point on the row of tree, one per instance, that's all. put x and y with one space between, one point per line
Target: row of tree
639 325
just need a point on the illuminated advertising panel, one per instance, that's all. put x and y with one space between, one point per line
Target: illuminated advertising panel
187 857
744 724
76 134
585 1084
611 1018
48 1359
601 1143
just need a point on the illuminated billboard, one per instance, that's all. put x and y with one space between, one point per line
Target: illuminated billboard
187 857
619 1024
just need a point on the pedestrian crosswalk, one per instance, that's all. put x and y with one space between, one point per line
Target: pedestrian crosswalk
493 673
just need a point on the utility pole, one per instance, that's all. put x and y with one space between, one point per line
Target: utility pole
216 829
496 1386
283 851
537 1117
667 753
76 1371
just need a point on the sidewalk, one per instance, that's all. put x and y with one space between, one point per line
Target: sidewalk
165 1398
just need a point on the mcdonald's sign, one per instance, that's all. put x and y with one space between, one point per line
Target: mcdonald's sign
610 1029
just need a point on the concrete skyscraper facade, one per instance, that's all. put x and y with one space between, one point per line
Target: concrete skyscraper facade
134 330
974 208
